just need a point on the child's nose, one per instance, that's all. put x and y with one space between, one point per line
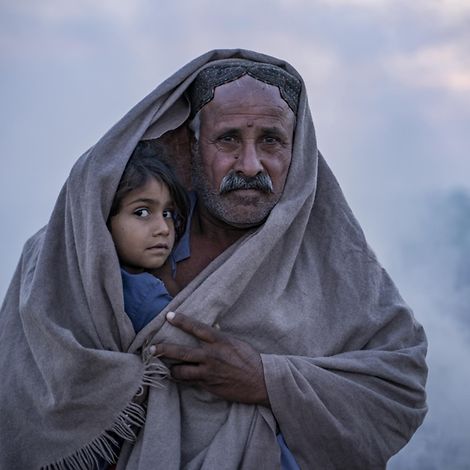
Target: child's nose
161 227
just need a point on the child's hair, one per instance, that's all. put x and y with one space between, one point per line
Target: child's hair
141 167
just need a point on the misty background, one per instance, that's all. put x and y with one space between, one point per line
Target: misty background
389 89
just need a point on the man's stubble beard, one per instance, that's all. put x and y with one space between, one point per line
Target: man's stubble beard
232 208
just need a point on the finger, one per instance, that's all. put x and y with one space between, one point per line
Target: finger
186 373
193 327
181 353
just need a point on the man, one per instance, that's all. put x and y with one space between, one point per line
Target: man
246 131
289 340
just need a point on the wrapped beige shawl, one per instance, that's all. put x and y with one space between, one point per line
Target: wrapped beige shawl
343 356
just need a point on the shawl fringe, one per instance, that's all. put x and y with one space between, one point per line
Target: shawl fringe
129 421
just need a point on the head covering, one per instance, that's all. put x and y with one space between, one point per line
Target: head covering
202 89
343 356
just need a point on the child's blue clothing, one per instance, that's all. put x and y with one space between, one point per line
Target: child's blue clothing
145 296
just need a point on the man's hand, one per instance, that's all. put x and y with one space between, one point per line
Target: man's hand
222 365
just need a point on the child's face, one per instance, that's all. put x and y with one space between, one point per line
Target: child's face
143 230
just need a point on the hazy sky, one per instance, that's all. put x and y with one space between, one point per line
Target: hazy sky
389 88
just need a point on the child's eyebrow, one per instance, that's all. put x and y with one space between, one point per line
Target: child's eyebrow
144 200
147 200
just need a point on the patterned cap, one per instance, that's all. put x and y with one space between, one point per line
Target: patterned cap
201 91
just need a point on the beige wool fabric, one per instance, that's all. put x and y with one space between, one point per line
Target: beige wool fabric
343 357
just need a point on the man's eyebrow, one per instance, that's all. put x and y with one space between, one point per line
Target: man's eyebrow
274 130
271 129
228 130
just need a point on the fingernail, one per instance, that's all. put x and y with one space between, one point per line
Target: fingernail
170 315
152 349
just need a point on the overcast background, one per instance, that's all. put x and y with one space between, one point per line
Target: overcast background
389 89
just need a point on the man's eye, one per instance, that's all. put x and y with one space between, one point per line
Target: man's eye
227 139
270 139
228 143
142 212
168 214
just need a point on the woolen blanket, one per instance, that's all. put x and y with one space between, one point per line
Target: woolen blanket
343 356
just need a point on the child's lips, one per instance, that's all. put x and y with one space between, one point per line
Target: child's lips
158 246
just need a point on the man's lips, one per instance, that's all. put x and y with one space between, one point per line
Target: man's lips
245 191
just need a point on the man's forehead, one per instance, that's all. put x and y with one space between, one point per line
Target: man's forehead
218 117
250 94
250 100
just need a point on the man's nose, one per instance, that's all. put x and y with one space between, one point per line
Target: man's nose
248 161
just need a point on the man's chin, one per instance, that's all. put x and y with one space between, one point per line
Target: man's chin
241 208
244 224
246 213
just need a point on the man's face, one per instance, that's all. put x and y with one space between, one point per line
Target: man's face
246 135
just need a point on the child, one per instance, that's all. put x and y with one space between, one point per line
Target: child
148 215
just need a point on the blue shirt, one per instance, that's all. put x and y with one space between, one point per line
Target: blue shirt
145 296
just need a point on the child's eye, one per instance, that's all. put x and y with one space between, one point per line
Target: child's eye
142 212
168 214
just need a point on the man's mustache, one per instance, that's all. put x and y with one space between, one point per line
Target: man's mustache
234 181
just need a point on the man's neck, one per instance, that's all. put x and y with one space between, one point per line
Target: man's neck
209 237
220 234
